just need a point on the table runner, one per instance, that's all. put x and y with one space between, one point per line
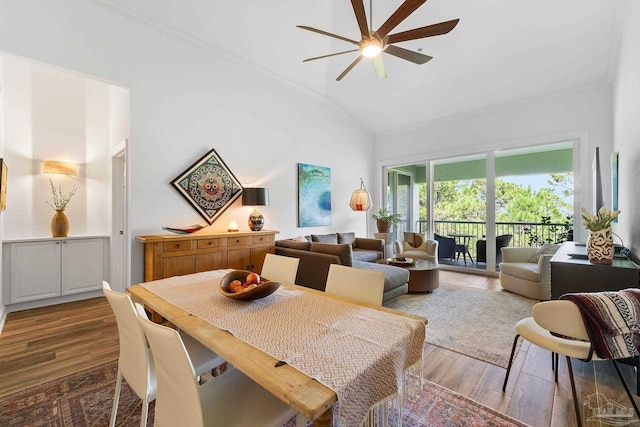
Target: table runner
369 358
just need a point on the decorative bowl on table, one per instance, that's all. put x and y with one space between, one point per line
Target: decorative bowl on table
253 290
400 261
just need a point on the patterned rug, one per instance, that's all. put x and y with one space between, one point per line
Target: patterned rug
476 322
84 399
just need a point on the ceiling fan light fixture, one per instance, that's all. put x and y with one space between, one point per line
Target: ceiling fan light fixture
371 49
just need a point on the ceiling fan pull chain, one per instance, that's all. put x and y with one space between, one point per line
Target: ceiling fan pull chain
370 16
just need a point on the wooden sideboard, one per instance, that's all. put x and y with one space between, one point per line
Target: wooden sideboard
571 271
167 255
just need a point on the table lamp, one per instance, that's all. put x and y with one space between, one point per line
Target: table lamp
256 196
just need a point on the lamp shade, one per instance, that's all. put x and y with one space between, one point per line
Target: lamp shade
61 168
256 196
360 199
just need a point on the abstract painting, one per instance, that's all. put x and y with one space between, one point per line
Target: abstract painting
314 195
209 186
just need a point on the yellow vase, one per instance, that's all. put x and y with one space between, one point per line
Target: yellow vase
59 224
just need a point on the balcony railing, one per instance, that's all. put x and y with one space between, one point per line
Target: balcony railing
524 233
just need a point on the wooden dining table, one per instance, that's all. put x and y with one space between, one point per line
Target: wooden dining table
291 384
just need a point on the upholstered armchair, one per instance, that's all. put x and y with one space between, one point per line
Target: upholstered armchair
501 242
527 271
417 246
446 246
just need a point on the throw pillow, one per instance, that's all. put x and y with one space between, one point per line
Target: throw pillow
348 238
300 239
325 238
344 251
546 249
292 244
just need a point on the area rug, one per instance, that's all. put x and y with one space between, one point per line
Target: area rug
84 399
476 322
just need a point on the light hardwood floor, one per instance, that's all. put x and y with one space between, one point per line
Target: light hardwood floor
43 344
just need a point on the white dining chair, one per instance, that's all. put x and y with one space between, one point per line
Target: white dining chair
229 400
558 326
357 284
280 268
135 363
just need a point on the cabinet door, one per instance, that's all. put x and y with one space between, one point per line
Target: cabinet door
210 261
35 271
239 259
177 266
257 258
82 265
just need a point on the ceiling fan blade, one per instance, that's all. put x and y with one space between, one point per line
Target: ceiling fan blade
422 32
380 71
335 36
405 9
349 68
415 57
361 17
327 56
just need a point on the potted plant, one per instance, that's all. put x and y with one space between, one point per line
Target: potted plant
385 219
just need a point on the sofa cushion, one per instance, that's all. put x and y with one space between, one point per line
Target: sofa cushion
344 251
546 249
294 244
348 238
325 238
522 270
366 255
393 276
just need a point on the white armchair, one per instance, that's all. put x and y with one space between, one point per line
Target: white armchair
527 271
417 246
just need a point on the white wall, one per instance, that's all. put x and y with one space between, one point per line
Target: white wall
187 99
626 126
54 115
582 113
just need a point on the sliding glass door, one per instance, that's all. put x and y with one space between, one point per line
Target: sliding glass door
518 197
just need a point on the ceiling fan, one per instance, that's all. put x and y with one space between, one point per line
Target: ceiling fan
373 43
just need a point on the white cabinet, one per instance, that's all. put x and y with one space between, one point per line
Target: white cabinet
49 268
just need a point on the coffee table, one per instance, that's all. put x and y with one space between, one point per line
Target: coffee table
423 275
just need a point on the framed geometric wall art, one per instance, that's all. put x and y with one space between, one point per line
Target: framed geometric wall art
314 195
209 186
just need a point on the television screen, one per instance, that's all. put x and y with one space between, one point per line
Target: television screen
598 201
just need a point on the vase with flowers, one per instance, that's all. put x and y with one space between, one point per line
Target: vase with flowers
600 242
60 222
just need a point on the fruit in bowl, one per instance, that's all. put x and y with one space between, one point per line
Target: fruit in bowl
246 285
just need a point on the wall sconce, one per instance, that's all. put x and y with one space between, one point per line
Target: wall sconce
255 197
360 199
59 168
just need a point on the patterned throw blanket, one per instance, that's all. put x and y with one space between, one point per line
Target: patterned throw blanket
612 320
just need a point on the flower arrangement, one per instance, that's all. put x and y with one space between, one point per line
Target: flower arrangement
60 200
601 220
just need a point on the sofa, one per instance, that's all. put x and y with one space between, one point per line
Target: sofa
527 271
317 252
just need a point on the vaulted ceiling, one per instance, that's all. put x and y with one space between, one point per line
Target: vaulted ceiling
501 50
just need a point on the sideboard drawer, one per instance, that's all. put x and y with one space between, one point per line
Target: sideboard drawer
209 243
238 241
256 240
179 246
